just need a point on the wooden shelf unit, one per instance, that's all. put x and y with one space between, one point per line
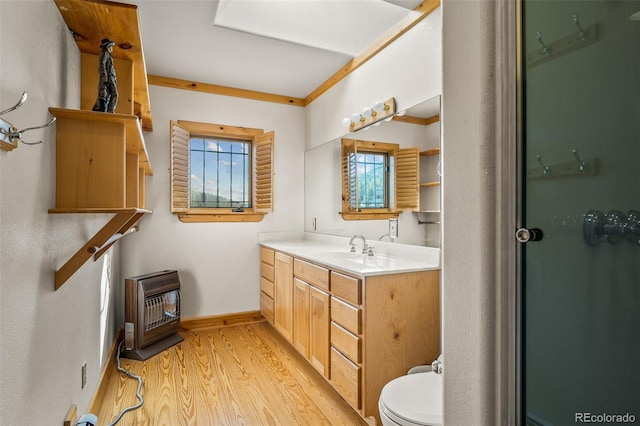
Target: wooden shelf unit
101 161
101 164
101 158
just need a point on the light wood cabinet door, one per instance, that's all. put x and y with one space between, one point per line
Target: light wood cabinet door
319 321
283 301
301 316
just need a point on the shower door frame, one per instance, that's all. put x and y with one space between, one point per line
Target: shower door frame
509 141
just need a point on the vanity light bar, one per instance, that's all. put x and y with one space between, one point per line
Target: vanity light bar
380 111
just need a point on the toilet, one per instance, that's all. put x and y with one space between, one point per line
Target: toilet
412 400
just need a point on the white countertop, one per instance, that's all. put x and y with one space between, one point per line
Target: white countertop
333 252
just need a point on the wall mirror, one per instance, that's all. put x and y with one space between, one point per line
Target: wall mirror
417 126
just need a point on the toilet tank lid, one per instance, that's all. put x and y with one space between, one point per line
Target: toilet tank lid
416 398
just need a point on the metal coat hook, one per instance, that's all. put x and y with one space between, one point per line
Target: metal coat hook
10 135
546 170
582 166
545 49
22 100
576 22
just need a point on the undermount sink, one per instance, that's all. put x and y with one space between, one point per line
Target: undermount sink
359 260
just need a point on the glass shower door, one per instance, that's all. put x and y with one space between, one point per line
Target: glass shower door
581 187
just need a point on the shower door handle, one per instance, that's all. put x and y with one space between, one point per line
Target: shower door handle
524 235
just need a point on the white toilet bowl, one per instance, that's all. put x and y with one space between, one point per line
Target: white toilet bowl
411 400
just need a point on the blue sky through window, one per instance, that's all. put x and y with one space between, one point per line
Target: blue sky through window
220 173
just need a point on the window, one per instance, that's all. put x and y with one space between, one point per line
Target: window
372 177
379 180
220 173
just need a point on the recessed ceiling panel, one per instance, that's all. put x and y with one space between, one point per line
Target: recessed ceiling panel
347 27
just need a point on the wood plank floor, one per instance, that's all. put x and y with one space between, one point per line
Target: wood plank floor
239 375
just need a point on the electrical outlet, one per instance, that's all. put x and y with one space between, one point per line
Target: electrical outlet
84 374
393 228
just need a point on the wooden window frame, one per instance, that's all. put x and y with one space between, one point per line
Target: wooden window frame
404 178
261 187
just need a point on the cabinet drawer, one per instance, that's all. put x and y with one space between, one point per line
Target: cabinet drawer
267 286
267 256
345 378
346 288
267 271
266 307
346 342
314 275
346 315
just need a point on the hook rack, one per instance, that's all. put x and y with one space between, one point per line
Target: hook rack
577 167
564 45
10 135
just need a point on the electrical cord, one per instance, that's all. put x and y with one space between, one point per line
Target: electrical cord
138 394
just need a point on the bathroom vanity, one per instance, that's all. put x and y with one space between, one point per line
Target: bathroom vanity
360 320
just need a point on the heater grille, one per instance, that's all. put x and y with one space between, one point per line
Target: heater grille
161 309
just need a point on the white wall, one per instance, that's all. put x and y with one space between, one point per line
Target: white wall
218 263
409 69
45 335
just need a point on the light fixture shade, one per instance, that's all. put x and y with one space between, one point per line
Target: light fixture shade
346 122
367 112
355 117
379 106
635 16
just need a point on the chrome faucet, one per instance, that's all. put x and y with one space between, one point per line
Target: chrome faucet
392 239
364 244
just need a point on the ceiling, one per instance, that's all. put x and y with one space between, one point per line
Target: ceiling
284 47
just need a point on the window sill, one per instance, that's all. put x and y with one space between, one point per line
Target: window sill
369 215
223 215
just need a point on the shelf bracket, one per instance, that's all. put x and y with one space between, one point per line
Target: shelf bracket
119 224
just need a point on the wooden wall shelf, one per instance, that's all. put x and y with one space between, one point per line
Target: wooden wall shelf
133 137
101 164
92 20
430 152
101 158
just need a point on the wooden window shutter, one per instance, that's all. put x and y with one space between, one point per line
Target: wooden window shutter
349 176
263 172
407 179
179 168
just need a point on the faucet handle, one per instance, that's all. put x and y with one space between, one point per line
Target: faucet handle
370 251
437 367
353 248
